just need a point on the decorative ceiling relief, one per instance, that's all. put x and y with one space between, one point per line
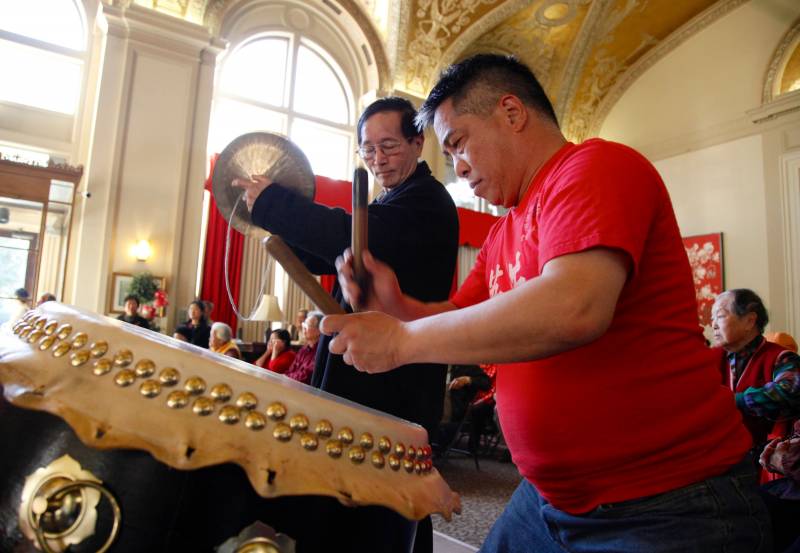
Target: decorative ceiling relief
585 52
630 29
541 36
435 24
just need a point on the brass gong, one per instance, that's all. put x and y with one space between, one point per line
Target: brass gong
258 153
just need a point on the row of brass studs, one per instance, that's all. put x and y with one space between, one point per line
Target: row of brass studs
411 459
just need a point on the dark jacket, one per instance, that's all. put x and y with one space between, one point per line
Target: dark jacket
137 320
414 229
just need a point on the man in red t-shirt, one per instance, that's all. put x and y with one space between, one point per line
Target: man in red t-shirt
610 403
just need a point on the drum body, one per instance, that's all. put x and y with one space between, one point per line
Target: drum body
165 509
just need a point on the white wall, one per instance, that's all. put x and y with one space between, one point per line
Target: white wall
721 189
697 113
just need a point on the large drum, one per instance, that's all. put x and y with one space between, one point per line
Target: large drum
110 432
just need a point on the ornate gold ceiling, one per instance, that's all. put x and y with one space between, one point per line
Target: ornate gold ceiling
585 52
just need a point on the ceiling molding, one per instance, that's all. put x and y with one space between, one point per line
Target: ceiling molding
664 47
774 69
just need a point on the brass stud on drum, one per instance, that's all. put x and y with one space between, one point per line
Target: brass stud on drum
195 385
47 342
411 453
123 358
98 349
125 378
282 432
80 340
384 444
50 327
356 454
366 441
79 358
394 461
408 464
177 399
39 323
144 368
255 420
63 331
101 367
150 388
229 414
24 331
247 401
309 441
61 349
334 448
203 406
324 429
345 435
378 460
35 335
276 411
169 376
399 449
299 423
221 392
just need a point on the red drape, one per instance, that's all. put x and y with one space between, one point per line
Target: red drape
333 193
473 227
213 288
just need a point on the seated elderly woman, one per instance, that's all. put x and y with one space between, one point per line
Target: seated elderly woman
279 355
302 367
221 341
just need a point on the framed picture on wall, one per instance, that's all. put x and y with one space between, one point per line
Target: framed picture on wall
708 271
120 287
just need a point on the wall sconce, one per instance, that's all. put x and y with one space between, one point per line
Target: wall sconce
142 250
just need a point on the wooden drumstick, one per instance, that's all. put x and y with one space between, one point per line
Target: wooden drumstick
278 249
359 238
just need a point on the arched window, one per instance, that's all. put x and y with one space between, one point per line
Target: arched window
285 83
42 45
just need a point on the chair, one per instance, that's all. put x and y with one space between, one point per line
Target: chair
477 427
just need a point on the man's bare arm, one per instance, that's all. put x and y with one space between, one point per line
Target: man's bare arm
570 304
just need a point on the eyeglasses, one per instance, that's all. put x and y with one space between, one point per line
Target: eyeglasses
387 148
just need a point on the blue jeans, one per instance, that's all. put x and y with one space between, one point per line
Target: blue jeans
724 513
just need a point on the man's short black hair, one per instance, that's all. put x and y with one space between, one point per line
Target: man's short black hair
477 83
392 103
133 297
746 301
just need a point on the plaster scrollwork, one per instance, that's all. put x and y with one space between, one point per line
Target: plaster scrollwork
546 20
605 69
437 22
775 67
645 62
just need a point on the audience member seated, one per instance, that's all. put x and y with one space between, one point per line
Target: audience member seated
47 296
221 341
21 305
782 456
765 377
296 329
131 314
469 384
303 364
196 330
279 355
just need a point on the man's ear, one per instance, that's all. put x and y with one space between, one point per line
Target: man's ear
419 142
514 112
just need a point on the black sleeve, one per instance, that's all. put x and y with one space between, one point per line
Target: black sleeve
318 234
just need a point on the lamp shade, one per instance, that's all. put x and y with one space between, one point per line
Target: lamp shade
268 310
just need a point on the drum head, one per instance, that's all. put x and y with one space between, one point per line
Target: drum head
258 153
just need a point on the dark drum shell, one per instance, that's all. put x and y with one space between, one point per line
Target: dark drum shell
165 509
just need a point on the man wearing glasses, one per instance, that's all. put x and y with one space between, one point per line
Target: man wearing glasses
413 227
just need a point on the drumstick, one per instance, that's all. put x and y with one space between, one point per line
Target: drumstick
278 249
359 238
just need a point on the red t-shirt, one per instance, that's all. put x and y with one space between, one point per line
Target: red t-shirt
641 410
281 363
